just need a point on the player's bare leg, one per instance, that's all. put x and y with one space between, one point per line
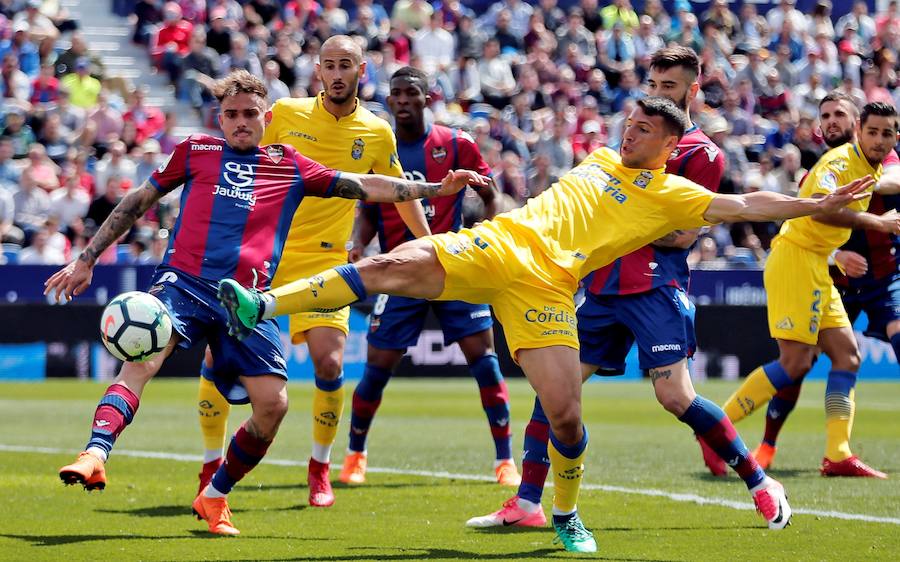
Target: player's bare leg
326 349
675 392
268 398
478 349
840 407
115 411
554 373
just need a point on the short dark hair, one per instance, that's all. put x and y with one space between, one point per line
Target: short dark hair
675 56
675 119
837 95
239 82
878 108
413 76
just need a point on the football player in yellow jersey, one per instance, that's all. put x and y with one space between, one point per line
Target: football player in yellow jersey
333 129
805 311
526 264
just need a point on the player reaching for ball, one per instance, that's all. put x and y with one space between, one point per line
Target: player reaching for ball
236 206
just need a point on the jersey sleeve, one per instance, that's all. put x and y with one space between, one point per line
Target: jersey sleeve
470 155
318 180
706 166
173 171
388 162
688 203
824 179
270 135
890 160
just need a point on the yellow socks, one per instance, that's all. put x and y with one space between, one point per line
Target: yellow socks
840 408
567 465
330 290
757 389
213 409
328 405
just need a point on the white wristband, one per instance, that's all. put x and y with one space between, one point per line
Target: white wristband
831 257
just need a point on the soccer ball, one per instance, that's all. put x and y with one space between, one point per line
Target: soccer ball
135 326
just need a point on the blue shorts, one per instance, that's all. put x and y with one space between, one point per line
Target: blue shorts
196 313
398 321
880 302
661 321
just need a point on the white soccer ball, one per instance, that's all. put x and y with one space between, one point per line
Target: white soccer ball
135 326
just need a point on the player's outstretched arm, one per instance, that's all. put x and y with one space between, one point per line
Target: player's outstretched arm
889 182
889 222
414 218
385 189
764 206
73 279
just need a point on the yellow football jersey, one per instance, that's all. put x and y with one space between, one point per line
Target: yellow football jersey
839 166
601 210
358 143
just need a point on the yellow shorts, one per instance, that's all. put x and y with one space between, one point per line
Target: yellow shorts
295 266
802 299
531 296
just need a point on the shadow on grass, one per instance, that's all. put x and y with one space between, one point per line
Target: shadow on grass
153 511
449 554
61 540
336 486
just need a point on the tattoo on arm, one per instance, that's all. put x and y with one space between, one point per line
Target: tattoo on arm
129 210
350 186
669 238
656 374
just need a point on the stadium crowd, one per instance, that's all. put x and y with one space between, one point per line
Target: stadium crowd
538 85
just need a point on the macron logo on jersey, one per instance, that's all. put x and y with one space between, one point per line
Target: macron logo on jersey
207 147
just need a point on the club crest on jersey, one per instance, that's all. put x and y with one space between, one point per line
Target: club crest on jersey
275 152
675 153
359 146
439 153
828 181
643 179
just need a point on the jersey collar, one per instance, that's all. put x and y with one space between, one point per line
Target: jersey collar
419 140
319 107
862 157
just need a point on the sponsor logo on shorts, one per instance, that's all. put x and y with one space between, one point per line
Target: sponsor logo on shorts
279 360
169 277
785 323
666 347
548 315
458 247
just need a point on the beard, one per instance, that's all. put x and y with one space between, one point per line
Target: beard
843 138
349 93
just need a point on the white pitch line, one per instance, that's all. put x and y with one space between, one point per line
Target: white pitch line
674 496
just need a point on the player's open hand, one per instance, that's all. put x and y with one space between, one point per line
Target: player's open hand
851 263
846 194
69 281
890 222
456 180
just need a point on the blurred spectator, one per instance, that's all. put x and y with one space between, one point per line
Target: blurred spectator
103 206
276 88
497 81
619 12
65 63
434 46
411 15
820 19
70 202
790 172
540 175
45 88
628 89
364 25
465 81
555 144
172 41
286 52
9 173
706 255
511 178
14 83
40 26
9 233
616 53
107 120
55 139
647 41
574 32
785 12
147 119
551 14
538 35
199 69
774 97
32 205
150 160
82 87
40 252
167 139
146 16
510 41
115 165
18 132
335 17
26 52
219 35
588 140
43 171
519 13
240 58
859 21
70 117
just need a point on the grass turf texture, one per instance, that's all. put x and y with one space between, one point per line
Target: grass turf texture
433 426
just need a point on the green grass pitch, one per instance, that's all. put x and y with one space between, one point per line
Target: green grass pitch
647 495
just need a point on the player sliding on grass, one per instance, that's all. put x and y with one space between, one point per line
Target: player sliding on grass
236 206
805 310
426 152
527 263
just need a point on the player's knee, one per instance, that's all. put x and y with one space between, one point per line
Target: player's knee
328 366
674 403
269 412
796 366
565 423
849 361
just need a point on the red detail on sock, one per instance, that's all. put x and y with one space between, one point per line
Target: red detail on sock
720 437
538 430
494 395
534 473
252 451
109 418
500 431
365 408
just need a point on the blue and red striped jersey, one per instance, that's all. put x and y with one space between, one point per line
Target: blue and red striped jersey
236 206
879 248
440 150
698 159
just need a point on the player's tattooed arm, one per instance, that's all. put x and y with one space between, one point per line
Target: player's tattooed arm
386 189
123 216
678 239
